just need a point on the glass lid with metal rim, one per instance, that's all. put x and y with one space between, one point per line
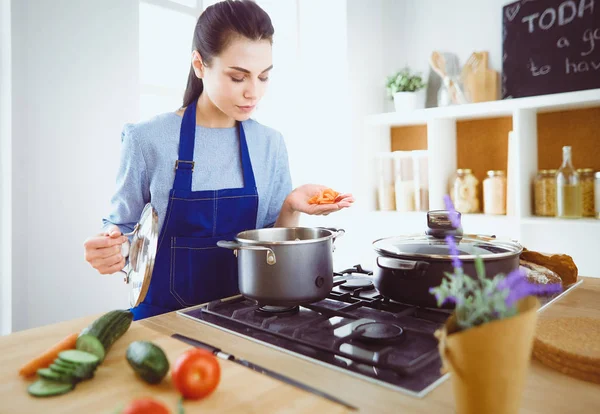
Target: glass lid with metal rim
430 247
142 253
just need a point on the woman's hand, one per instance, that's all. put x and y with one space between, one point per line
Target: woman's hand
103 251
297 202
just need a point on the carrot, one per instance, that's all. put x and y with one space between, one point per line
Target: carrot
44 360
326 196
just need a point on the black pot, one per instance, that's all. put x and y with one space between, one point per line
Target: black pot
408 266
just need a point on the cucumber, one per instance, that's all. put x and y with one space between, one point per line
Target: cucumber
148 361
64 374
86 369
78 372
48 374
99 337
48 388
78 357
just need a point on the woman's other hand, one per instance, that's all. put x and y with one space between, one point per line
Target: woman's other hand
103 251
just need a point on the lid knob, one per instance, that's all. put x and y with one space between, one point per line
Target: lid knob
439 224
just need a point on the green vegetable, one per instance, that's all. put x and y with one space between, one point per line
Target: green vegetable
148 361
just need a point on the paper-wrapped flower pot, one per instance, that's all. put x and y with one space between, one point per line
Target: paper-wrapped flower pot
489 362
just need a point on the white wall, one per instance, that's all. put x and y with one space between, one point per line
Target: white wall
416 28
5 170
75 83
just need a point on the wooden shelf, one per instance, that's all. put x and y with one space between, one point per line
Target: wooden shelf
492 109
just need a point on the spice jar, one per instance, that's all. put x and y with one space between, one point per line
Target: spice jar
421 178
544 193
386 199
597 194
404 185
464 191
586 179
494 192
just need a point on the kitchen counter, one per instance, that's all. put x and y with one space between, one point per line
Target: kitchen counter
244 391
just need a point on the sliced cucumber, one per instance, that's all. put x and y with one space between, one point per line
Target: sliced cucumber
65 374
48 388
48 374
85 368
78 357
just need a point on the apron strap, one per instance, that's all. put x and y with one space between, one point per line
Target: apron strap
184 166
249 181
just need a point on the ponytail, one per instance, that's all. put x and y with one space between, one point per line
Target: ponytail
194 88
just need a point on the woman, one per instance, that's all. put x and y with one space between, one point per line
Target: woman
208 169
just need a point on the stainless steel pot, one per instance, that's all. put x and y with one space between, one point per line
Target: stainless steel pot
285 266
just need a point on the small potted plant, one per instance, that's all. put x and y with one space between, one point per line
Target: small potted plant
486 343
407 90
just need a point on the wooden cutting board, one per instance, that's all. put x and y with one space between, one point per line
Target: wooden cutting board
481 82
241 390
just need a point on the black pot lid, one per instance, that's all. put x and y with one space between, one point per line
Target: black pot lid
429 247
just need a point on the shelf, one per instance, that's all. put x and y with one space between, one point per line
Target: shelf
492 109
588 223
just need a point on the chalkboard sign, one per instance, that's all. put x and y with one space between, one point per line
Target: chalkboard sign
550 46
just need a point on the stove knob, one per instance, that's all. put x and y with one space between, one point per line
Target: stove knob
319 281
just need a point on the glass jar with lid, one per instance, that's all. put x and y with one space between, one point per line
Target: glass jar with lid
404 185
494 193
386 199
464 191
586 180
544 193
597 194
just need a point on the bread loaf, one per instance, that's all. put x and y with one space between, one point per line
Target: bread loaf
539 274
561 264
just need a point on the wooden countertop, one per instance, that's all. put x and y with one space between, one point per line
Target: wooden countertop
245 391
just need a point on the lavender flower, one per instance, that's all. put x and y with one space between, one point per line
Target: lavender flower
454 253
518 287
512 278
482 299
452 213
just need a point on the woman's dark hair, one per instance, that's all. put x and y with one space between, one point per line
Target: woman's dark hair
217 26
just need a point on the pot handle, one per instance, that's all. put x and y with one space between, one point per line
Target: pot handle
271 259
336 233
408 268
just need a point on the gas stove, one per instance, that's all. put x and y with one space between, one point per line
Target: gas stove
355 330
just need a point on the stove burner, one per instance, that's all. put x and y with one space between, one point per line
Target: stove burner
378 332
278 310
357 282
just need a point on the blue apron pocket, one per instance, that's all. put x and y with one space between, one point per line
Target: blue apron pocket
200 271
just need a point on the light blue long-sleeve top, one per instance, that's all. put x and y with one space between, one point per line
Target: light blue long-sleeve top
148 153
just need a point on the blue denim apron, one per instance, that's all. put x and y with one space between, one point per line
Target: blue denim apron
189 268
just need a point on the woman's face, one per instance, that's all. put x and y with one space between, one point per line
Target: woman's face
237 79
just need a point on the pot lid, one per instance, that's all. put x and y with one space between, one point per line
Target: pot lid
142 253
430 247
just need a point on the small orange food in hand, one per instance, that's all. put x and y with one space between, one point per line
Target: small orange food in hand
326 196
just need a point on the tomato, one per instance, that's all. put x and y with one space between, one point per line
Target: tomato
145 406
196 373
